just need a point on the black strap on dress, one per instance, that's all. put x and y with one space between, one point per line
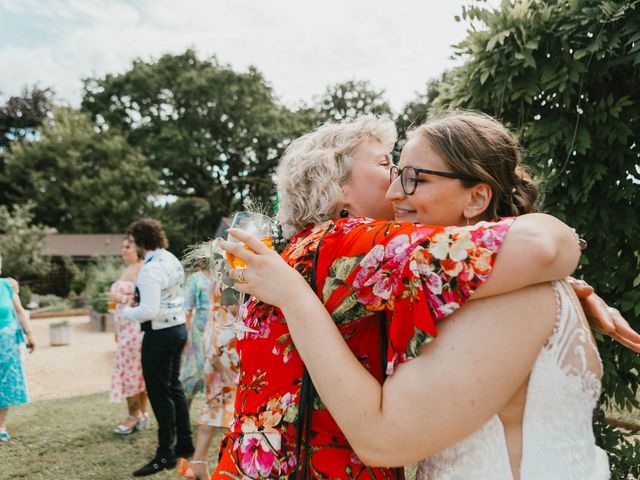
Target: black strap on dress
308 390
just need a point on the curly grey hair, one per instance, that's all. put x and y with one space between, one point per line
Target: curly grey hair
314 168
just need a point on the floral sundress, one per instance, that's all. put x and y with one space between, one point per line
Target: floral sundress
13 385
220 363
193 357
126 379
416 274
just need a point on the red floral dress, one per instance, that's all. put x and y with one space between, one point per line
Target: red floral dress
417 274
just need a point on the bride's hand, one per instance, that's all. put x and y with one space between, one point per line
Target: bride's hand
267 276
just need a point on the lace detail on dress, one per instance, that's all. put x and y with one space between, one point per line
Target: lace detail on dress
571 345
558 441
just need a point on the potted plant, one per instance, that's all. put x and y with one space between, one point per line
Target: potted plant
60 333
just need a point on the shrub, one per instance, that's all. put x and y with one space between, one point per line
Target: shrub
25 295
564 76
98 279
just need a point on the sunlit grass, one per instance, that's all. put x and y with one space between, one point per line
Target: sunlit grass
73 439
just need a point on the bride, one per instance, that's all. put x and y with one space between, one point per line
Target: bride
508 388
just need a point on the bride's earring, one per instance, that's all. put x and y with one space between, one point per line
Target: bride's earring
344 213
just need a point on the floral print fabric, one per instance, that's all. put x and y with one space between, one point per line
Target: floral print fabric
196 299
13 386
416 274
126 379
7 309
220 370
220 363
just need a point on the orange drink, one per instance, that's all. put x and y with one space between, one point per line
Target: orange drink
260 226
235 262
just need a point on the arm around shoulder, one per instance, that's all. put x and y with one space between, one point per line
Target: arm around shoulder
538 248
481 358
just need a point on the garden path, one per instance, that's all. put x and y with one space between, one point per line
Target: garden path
81 368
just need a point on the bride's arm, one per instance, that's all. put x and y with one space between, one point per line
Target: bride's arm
482 356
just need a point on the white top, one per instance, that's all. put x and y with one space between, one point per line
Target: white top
160 284
557 433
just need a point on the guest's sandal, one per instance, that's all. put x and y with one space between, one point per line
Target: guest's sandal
124 430
186 469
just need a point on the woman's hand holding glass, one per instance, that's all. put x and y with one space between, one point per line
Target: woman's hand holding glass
262 227
267 276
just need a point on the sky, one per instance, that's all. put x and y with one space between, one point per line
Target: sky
301 47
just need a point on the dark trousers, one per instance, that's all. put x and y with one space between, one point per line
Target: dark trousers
161 352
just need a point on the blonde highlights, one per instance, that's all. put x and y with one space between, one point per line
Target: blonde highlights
314 168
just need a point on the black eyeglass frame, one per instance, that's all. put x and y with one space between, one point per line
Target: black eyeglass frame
395 168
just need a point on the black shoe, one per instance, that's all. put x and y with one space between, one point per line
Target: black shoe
154 466
185 452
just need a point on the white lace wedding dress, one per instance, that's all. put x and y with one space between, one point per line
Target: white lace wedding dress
557 436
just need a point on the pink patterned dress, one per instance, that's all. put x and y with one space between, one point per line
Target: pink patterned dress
221 362
127 379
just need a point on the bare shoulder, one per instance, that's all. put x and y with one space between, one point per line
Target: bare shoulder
13 283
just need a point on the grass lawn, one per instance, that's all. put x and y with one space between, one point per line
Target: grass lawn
72 439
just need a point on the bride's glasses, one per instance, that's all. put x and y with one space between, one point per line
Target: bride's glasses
409 177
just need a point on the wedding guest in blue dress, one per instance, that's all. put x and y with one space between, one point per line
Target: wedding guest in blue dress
13 387
197 306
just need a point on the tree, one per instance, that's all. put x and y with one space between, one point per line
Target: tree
20 116
565 76
417 110
22 242
82 180
185 222
210 132
348 100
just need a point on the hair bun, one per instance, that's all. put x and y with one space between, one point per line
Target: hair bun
523 195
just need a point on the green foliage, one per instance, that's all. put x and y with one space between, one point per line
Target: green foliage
565 76
20 116
25 295
348 100
185 222
98 279
211 133
77 283
53 303
417 110
83 180
22 242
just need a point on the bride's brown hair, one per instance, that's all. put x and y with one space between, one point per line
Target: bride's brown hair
478 146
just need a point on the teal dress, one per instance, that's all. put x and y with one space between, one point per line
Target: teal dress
13 387
196 298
